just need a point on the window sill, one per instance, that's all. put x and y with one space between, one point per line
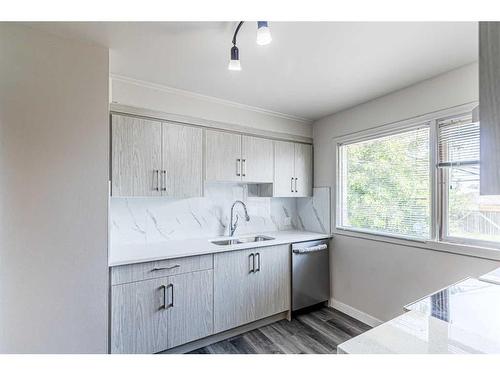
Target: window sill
447 247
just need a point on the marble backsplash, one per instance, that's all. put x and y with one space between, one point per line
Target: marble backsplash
313 214
150 220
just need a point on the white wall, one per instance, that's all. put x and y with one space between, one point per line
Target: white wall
378 278
53 193
151 96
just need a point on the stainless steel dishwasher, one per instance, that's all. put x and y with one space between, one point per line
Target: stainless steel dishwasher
310 273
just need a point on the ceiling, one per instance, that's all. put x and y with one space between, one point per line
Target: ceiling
311 69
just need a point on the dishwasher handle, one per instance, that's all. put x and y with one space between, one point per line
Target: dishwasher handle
310 249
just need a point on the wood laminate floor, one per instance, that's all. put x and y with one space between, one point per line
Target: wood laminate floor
318 331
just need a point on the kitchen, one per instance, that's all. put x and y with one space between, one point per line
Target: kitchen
232 188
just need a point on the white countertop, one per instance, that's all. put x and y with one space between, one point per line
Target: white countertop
463 318
138 253
418 333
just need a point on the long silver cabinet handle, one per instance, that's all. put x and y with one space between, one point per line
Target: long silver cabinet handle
251 258
164 306
171 304
156 173
238 167
164 180
310 249
291 185
257 256
244 167
296 185
165 268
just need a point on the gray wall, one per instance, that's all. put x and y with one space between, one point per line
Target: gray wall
378 278
53 193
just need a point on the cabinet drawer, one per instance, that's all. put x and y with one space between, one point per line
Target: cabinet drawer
161 268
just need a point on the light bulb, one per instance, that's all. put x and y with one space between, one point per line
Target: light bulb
263 33
234 65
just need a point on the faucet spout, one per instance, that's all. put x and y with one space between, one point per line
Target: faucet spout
233 226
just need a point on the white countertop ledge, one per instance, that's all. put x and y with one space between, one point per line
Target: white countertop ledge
462 318
418 333
147 252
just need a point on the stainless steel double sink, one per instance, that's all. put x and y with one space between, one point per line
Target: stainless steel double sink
235 241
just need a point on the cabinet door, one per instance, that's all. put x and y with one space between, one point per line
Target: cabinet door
135 156
182 161
139 318
489 106
191 314
272 280
257 159
303 170
234 289
284 154
223 156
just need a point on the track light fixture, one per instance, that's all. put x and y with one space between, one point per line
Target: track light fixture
263 38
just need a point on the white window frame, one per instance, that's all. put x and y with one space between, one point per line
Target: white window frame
397 129
437 241
442 176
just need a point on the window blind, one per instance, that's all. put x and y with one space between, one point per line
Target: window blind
458 142
385 184
466 214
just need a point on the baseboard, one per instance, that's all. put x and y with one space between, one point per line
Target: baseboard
355 313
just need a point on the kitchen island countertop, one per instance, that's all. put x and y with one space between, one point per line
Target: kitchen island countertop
462 318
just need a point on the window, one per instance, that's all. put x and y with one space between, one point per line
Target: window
385 184
418 182
466 215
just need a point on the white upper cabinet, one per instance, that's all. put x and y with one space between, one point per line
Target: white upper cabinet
152 158
303 170
223 156
135 157
489 106
149 158
284 169
233 157
292 169
257 160
182 165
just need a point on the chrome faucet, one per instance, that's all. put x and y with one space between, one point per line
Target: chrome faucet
233 226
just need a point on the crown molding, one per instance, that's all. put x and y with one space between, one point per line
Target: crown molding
212 99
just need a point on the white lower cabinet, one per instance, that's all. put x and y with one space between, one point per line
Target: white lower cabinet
234 283
250 285
154 315
139 322
191 314
272 281
149 315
